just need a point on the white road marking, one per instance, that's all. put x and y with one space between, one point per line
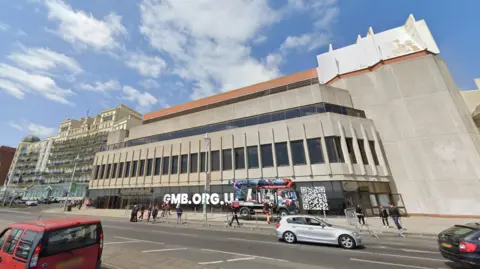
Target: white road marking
122 242
241 259
256 241
213 262
154 231
395 255
15 211
245 255
161 250
133 239
420 251
111 265
391 264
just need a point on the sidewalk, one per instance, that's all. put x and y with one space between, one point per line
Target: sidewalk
419 226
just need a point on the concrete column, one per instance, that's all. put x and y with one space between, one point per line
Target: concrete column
153 165
368 151
307 151
245 153
379 151
162 160
189 160
124 167
199 157
220 161
324 147
343 143
260 164
356 148
106 175
274 152
131 169
290 157
233 155
170 162
138 168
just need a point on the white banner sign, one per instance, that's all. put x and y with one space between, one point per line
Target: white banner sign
197 198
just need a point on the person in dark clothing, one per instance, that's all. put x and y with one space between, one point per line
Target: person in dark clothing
234 208
150 208
266 210
384 216
360 215
142 211
154 214
395 214
133 216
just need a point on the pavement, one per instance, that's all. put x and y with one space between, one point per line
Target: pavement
145 245
415 226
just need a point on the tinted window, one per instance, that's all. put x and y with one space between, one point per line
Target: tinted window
120 170
215 159
26 243
64 240
127 169
264 119
315 150
107 174
184 164
203 162
141 172
194 163
374 152
166 165
459 231
114 171
103 171
227 159
149 167
134 168
281 154
278 116
97 169
174 165
334 149
307 111
298 152
12 241
4 236
292 113
252 152
158 161
251 121
239 158
267 155
298 220
361 145
351 152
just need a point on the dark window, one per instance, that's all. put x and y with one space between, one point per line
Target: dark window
227 159
158 162
315 150
374 152
127 169
334 149
12 241
120 170
362 151
251 121
308 110
239 158
266 118
184 164
149 167
215 159
107 174
298 152
134 168
141 172
25 246
278 116
252 156
114 171
351 151
267 155
202 162
97 169
174 165
103 171
194 163
4 236
281 153
67 239
292 113
166 165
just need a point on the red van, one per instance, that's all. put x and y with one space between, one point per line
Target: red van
74 243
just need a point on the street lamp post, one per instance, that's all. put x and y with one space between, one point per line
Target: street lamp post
207 141
71 182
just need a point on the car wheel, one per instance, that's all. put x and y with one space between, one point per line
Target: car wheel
346 241
283 213
289 237
244 212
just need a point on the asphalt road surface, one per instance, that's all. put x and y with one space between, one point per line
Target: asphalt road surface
131 245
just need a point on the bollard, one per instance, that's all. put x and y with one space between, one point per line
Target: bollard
195 212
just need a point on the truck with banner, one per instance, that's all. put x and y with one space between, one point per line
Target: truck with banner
251 196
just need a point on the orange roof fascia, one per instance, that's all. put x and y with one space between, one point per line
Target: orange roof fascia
285 80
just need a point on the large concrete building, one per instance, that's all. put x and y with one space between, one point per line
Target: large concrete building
377 122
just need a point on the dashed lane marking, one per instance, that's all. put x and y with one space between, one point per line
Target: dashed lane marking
241 259
111 266
163 250
133 239
391 264
122 242
245 255
395 255
212 262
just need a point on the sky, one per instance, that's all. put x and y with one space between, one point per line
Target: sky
63 59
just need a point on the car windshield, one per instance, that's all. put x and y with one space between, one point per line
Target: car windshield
324 222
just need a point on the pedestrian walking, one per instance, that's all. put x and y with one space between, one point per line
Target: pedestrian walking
133 214
395 214
360 215
154 214
80 204
142 211
179 214
384 216
266 210
234 207
150 208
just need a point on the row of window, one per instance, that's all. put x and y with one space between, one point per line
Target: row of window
250 157
244 122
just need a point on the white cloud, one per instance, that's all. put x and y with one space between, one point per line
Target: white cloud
147 66
208 40
309 41
4 27
20 80
33 128
101 86
20 32
44 59
12 88
144 100
260 39
83 29
149 84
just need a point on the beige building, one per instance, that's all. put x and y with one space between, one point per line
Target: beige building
472 100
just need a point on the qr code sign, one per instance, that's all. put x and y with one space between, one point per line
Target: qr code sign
314 198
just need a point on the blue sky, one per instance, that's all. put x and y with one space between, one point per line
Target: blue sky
59 58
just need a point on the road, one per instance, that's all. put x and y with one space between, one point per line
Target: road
142 245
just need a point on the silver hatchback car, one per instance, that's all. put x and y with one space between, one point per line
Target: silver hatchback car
304 228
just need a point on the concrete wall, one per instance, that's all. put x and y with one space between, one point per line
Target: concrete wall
290 99
430 139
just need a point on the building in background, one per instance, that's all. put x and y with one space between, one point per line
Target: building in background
6 158
472 100
432 145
